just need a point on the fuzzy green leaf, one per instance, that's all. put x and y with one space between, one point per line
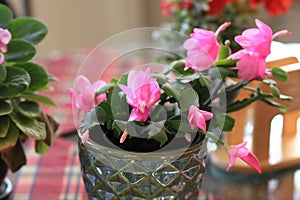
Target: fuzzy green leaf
38 75
29 109
41 147
5 16
28 29
11 138
5 108
4 125
16 82
29 126
40 98
19 51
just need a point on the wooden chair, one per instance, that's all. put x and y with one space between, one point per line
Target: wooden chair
271 135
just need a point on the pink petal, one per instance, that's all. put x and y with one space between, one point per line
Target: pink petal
253 162
5 36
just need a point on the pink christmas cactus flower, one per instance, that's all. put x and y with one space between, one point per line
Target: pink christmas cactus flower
256 43
84 96
202 48
142 92
198 118
5 38
240 151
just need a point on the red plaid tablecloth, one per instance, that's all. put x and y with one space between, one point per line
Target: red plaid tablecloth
55 175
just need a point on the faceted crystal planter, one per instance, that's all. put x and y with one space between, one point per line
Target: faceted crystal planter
113 174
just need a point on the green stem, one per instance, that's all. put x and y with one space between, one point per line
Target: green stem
215 138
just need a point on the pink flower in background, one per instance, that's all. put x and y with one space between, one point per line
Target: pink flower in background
142 92
240 151
257 46
202 48
84 97
5 38
198 118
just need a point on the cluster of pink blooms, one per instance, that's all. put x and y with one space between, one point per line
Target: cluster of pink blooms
143 92
251 64
5 38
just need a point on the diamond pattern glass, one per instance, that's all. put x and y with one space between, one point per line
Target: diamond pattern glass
109 176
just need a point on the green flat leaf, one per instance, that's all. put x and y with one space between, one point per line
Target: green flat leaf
31 127
275 91
11 138
16 82
160 78
227 63
5 108
5 16
38 75
90 119
40 98
119 105
4 125
224 52
129 126
19 51
123 79
2 73
41 147
279 74
161 137
178 68
28 29
180 92
226 121
29 109
103 89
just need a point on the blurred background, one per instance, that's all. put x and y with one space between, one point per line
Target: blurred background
76 23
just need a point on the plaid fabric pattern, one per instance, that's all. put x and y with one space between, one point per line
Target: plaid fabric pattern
55 175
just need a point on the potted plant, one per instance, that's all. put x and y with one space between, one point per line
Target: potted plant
145 134
21 113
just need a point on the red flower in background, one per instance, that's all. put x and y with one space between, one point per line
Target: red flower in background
216 6
274 7
168 6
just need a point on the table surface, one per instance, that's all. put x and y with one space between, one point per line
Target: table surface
56 175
